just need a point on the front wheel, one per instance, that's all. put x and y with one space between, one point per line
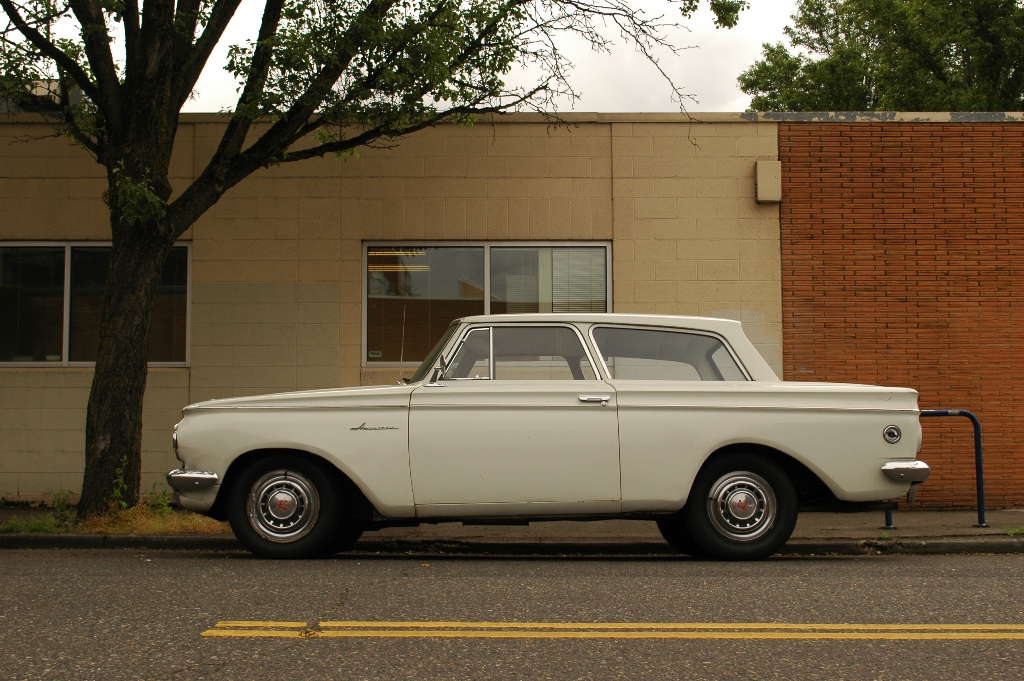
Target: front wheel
741 507
284 506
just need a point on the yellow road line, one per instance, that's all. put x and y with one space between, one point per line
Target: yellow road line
677 635
668 625
620 630
253 633
777 635
259 623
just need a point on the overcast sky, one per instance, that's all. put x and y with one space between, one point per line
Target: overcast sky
622 81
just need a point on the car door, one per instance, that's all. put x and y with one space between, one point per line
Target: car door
519 424
669 386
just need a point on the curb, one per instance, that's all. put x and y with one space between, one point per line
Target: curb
612 547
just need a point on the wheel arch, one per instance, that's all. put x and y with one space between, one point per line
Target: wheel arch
356 506
811 490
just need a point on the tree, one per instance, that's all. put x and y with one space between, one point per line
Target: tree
326 76
909 55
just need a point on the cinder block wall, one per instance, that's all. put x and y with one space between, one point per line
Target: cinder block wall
901 265
277 263
50 190
689 236
676 199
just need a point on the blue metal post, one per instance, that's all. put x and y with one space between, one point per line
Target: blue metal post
979 475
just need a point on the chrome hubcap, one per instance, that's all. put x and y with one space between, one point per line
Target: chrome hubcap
283 506
741 506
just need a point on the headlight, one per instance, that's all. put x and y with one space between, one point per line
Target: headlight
174 443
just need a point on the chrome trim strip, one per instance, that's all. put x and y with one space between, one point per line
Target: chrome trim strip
181 480
296 407
723 407
505 405
907 471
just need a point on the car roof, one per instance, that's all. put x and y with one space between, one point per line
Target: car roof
715 324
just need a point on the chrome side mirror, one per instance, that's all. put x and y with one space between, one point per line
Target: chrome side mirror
437 374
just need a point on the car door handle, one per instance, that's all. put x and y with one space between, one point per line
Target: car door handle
603 399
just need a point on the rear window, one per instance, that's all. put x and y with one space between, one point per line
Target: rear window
662 355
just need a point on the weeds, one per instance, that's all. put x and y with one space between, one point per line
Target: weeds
1015 531
118 501
63 514
883 536
159 502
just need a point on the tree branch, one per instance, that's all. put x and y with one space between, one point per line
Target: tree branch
97 50
50 50
234 136
132 39
194 57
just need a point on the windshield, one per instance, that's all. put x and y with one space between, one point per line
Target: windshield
428 363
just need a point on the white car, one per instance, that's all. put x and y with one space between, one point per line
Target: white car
514 418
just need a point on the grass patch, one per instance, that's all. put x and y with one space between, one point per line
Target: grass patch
1015 531
143 519
153 515
46 524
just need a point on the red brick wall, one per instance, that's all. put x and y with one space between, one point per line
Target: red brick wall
903 264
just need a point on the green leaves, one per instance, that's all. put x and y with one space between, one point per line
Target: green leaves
910 55
134 198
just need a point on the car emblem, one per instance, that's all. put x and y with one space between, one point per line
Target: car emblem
363 426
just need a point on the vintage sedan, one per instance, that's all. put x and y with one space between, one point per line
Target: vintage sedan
518 418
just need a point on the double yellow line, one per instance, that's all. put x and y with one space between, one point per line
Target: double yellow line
617 630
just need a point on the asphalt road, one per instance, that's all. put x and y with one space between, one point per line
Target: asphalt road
111 614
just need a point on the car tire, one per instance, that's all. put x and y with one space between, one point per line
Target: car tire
285 506
674 532
742 507
345 537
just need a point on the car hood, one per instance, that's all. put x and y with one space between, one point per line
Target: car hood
368 396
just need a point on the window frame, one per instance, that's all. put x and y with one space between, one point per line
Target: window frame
66 329
670 329
486 246
490 326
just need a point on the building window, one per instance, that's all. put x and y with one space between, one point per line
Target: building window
51 298
31 304
414 291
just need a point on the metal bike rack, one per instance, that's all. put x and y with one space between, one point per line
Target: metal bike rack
979 474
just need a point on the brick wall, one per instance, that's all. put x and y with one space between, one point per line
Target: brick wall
902 248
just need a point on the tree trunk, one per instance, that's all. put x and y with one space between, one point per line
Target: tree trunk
113 427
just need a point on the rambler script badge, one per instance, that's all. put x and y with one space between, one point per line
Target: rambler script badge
365 427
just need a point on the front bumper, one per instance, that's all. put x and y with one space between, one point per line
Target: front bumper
907 471
181 480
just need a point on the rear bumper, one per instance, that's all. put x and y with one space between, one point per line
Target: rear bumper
907 471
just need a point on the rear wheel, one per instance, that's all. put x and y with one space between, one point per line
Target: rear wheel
285 506
345 537
741 507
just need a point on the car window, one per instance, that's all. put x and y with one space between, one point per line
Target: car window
544 353
522 353
650 354
473 357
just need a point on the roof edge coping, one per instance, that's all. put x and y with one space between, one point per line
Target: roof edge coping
574 117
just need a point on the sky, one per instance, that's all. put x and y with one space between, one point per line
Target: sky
621 81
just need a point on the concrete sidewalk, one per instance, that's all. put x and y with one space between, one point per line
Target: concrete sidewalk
919 532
